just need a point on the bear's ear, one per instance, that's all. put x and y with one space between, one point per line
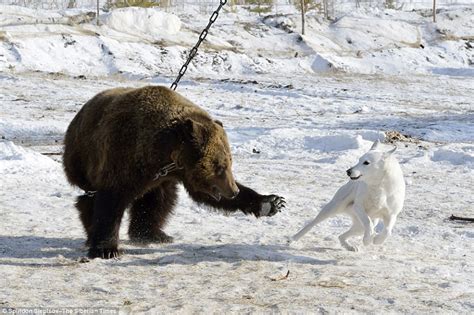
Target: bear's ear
195 132
219 123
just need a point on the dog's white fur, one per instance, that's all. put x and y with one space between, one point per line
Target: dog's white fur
375 192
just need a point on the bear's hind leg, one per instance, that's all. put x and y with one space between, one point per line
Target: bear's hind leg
149 214
107 215
85 205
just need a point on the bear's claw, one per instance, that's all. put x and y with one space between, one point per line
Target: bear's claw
271 205
104 253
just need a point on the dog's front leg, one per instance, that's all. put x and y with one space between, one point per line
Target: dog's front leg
388 222
369 232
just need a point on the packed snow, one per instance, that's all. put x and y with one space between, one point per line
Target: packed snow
298 109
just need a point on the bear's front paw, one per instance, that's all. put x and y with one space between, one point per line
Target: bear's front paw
271 205
104 253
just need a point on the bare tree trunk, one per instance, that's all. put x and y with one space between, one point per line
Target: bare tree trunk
326 9
97 16
71 4
434 11
302 16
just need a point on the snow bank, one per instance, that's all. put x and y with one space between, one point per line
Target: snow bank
141 21
320 64
454 157
277 143
334 143
32 130
13 154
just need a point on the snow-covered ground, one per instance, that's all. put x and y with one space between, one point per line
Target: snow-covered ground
295 125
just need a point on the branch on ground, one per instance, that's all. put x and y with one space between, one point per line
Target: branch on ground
453 217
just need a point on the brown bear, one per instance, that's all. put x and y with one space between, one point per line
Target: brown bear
131 147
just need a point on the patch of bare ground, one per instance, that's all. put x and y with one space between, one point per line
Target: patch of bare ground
393 136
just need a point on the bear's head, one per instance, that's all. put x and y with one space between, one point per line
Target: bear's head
206 160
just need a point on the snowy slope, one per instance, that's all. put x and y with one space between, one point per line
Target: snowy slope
295 125
146 42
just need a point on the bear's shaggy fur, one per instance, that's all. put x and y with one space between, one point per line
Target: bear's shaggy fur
122 138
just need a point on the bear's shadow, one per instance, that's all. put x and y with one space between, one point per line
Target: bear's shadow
24 248
37 247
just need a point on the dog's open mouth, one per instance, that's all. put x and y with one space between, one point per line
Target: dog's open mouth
354 178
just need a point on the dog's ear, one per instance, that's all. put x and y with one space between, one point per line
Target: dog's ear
391 151
375 145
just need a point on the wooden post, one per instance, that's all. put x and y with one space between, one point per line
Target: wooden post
434 11
302 16
97 17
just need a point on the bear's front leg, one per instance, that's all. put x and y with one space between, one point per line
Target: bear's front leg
149 213
248 201
108 211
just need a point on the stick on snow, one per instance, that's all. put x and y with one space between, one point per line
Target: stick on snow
453 217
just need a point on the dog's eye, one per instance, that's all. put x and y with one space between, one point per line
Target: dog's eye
366 163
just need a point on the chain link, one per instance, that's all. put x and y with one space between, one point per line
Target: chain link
194 50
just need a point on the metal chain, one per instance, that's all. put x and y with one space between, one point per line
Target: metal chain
166 169
194 50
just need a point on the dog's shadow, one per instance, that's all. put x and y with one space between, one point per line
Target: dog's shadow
189 254
27 250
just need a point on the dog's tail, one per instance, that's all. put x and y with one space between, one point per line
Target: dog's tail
323 215
338 202
304 230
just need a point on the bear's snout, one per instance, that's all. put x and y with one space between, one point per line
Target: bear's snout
230 191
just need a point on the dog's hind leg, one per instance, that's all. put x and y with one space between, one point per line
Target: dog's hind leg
388 222
338 203
356 229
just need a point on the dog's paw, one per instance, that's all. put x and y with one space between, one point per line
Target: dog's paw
380 238
271 205
368 238
348 246
351 248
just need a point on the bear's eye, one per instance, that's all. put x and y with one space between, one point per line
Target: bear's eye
366 163
220 171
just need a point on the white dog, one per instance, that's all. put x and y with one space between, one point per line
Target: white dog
376 191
